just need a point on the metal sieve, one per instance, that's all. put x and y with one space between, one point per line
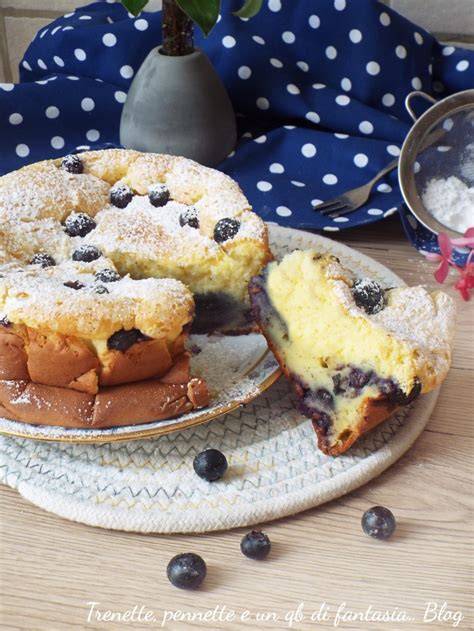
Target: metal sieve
439 145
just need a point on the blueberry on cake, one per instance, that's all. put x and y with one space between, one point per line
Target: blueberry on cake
353 351
107 259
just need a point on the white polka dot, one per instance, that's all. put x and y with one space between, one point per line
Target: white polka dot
26 65
315 202
126 72
15 119
292 88
313 117
339 5
276 167
85 17
384 19
341 219
120 96
87 104
52 112
261 139
57 142
42 82
443 148
55 30
58 61
228 41
346 84
462 65
401 52
366 127
416 83
388 99
263 103
276 63
448 124
41 64
109 40
330 179
141 24
43 33
298 184
319 86
390 212
258 40
343 99
69 15
331 52
418 38
68 28
80 54
289 126
274 5
361 160
308 150
302 65
384 188
375 212
92 135
314 21
355 36
448 50
22 150
244 72
264 186
393 150
283 211
373 68
247 134
430 68
288 37
416 167
330 228
341 136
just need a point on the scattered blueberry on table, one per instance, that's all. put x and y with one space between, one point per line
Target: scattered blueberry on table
210 465
255 545
378 522
186 571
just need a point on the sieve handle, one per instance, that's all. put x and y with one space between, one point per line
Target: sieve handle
410 96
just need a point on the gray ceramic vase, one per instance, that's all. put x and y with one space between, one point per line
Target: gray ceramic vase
179 105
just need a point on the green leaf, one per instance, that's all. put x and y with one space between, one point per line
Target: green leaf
203 12
249 9
134 6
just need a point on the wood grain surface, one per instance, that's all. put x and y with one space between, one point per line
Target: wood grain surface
51 568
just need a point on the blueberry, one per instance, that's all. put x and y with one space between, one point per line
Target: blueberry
79 224
225 229
100 289
368 295
337 381
43 260
186 571
189 218
358 378
323 421
158 195
121 195
86 253
398 397
107 275
5 322
74 284
378 522
325 397
255 545
210 465
122 340
72 164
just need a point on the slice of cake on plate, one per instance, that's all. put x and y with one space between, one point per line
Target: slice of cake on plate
353 351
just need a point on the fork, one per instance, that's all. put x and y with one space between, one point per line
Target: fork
353 199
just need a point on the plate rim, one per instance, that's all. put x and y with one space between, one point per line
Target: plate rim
275 230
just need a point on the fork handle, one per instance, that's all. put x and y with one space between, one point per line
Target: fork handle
390 166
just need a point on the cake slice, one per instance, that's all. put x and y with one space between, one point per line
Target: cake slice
353 351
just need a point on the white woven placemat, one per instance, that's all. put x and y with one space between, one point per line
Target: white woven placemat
275 466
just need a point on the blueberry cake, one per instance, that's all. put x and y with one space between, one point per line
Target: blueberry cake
353 351
107 259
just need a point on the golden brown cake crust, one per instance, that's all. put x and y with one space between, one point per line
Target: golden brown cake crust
141 402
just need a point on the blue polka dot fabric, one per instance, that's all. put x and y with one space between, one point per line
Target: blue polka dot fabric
318 88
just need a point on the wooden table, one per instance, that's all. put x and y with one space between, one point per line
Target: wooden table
51 568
